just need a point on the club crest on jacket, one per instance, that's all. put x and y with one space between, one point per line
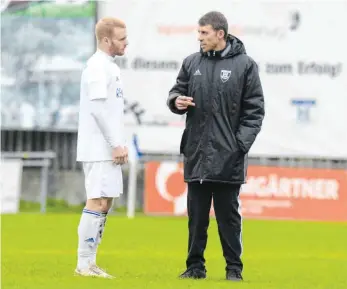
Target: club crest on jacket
225 75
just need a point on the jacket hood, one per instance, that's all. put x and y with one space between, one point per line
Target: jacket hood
237 46
234 47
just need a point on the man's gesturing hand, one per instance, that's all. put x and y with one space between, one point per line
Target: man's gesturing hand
120 155
182 102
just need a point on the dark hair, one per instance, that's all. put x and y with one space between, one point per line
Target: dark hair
217 20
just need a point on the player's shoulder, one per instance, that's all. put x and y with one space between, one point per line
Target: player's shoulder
94 69
94 63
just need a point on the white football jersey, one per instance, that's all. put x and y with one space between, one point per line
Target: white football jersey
101 88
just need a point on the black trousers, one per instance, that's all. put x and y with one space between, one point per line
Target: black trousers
226 206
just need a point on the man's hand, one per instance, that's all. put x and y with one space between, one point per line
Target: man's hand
120 155
182 102
126 158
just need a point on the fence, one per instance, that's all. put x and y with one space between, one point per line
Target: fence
63 143
66 180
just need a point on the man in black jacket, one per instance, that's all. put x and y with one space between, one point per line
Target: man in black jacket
220 90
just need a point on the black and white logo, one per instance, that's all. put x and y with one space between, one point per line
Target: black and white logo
197 72
225 75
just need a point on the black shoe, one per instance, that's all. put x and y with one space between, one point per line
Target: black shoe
194 273
234 275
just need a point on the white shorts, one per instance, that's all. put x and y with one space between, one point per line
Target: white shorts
103 179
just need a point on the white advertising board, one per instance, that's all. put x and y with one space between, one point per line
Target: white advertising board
300 49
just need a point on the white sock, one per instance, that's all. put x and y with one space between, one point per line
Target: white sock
99 237
88 231
102 225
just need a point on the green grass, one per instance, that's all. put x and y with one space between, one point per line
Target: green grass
60 206
39 252
53 206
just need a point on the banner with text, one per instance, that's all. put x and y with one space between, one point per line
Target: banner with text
270 192
298 48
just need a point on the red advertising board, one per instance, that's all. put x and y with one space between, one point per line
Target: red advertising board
270 192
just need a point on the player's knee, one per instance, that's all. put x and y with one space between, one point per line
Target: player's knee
94 205
105 205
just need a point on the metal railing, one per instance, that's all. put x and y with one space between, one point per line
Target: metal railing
42 160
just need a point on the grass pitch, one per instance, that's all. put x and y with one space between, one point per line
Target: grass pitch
39 252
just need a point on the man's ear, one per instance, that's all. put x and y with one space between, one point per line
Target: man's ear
220 34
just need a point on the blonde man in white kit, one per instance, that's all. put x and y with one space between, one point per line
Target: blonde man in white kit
101 141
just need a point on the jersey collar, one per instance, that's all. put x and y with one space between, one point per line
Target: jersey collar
104 55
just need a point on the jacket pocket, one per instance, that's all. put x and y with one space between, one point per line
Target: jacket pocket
225 164
235 144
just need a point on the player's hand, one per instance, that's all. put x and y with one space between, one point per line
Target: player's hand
120 155
182 102
126 157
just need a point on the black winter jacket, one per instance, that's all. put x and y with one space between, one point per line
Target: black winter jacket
227 116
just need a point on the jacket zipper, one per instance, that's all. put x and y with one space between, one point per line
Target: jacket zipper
208 123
